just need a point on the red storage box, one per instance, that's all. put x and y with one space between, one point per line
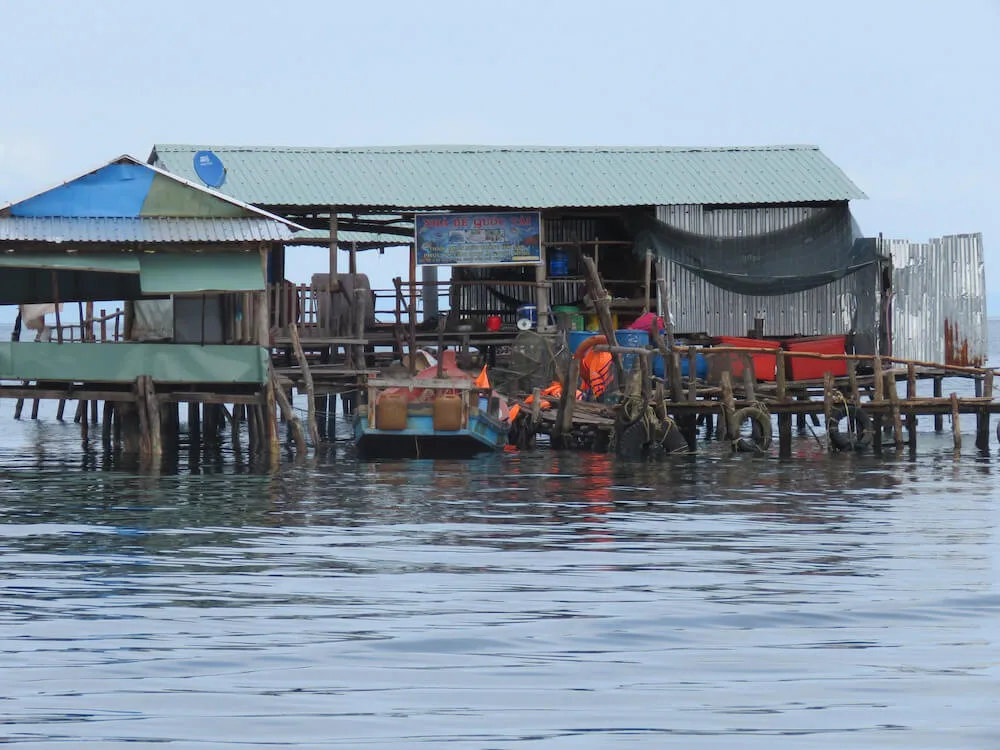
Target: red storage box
806 368
763 364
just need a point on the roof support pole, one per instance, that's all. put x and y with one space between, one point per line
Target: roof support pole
541 288
334 281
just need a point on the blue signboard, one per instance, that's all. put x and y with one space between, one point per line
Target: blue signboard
486 239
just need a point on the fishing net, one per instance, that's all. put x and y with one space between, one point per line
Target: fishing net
820 249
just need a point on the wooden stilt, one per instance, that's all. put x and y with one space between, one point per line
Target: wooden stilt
310 387
84 424
938 418
61 409
294 424
828 406
94 412
784 418
234 426
983 415
106 426
728 402
911 415
956 424
564 418
897 422
18 408
194 423
34 408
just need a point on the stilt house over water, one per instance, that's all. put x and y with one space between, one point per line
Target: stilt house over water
187 262
727 241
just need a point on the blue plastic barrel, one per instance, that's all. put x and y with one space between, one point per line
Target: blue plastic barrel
631 338
578 337
700 367
558 262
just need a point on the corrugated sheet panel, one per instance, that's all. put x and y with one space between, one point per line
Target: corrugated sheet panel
939 300
734 222
849 304
345 238
519 177
140 230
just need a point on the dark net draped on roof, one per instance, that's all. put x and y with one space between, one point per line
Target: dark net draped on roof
814 252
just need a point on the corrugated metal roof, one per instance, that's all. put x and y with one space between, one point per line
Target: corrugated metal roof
345 238
519 177
157 230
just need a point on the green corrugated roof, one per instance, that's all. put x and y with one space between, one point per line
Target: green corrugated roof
518 177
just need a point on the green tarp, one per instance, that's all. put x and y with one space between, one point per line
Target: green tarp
123 363
28 278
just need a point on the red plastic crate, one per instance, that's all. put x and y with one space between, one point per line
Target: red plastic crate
764 365
806 368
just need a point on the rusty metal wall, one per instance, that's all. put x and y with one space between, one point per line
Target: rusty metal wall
939 300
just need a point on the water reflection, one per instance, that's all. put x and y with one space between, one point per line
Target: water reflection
563 597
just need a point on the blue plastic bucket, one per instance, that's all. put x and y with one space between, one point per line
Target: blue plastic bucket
558 263
629 337
578 337
528 312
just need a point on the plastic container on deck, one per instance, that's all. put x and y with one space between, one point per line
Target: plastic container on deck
764 365
806 368
390 411
448 412
700 366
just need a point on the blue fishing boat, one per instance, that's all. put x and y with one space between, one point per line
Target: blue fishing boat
430 417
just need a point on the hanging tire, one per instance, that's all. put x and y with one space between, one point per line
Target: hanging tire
631 439
761 431
859 430
673 440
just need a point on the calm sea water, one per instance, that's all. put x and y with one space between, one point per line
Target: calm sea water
561 600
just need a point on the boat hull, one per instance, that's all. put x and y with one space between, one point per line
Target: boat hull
484 434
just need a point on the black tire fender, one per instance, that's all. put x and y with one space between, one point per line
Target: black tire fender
761 431
859 434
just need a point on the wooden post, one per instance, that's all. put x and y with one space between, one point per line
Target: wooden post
784 417
152 406
360 304
879 379
649 274
911 414
564 417
897 422
61 409
983 414
781 377
334 279
852 379
598 296
106 426
34 408
310 387
956 424
84 424
676 379
541 281
728 402
413 308
352 263
55 300
665 313
828 406
938 418
194 423
234 425
692 357
294 424
749 378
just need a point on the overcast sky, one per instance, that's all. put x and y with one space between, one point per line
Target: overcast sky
902 95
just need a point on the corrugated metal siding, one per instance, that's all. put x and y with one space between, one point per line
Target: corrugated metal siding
849 304
140 230
734 222
939 300
519 177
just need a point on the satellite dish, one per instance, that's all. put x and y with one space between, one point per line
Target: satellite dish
209 169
